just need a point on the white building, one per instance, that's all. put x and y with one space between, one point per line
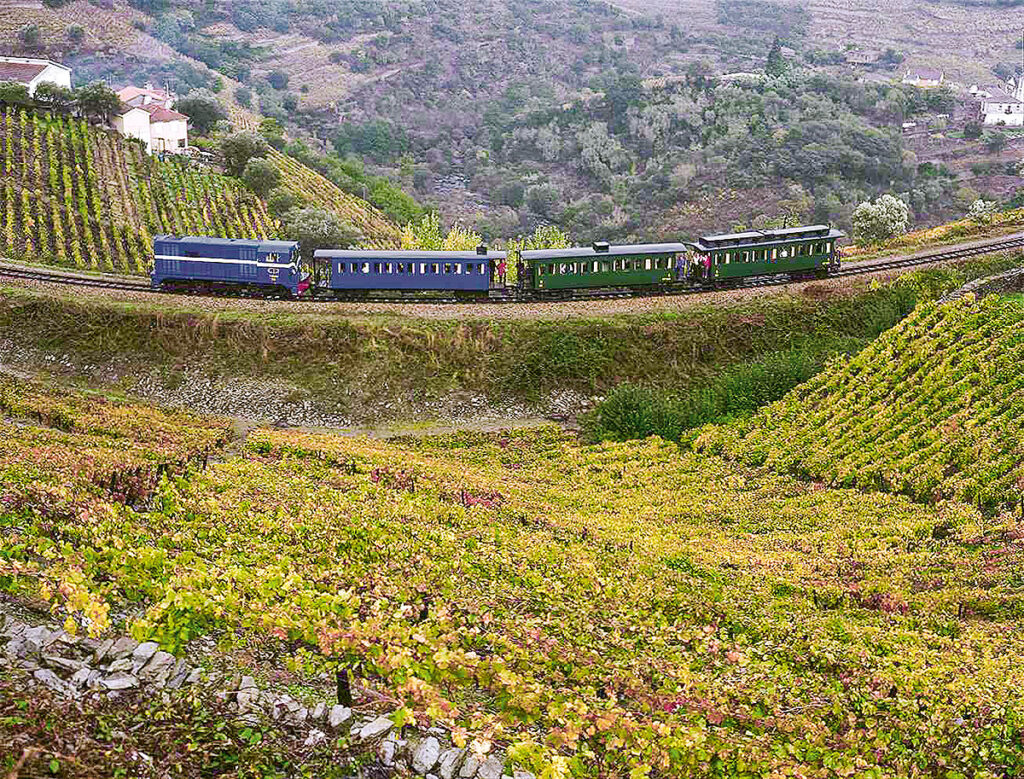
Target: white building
133 122
32 72
999 106
168 129
142 96
926 78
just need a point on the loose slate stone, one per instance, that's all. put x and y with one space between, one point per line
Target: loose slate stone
142 653
315 738
520 774
51 680
63 663
386 753
123 647
160 666
318 712
247 683
123 664
426 755
379 727
491 769
120 681
81 677
339 716
470 767
102 650
449 762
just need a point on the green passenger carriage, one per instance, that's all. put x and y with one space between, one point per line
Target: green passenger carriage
801 252
603 265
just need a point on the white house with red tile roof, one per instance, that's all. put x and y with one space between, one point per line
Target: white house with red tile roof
32 72
133 122
168 129
141 96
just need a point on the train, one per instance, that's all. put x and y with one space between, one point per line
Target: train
275 268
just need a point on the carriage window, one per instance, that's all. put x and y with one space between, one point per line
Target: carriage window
435 267
604 266
365 268
341 267
483 269
540 270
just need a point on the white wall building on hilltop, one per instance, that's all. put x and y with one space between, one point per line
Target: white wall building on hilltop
1001 106
32 72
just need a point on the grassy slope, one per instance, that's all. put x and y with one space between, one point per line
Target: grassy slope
622 605
934 408
76 195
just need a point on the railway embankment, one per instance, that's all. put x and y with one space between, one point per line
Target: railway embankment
311 366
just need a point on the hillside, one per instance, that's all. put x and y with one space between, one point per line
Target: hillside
610 608
934 409
80 196
604 118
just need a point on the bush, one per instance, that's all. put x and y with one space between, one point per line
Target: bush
875 222
243 96
281 201
638 412
30 35
237 149
278 79
76 33
972 131
260 176
315 228
203 110
14 94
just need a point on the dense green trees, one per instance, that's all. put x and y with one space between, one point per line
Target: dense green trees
238 148
202 108
316 228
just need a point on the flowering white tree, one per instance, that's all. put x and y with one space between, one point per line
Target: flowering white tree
875 222
981 210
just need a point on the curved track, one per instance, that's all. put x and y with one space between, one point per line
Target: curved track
510 296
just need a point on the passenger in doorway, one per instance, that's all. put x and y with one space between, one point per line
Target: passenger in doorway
501 273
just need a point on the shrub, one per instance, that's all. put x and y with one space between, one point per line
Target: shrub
203 110
875 222
278 79
238 148
260 176
281 201
315 228
76 33
30 35
243 96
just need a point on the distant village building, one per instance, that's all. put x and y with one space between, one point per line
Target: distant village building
863 57
147 115
925 78
1001 106
32 72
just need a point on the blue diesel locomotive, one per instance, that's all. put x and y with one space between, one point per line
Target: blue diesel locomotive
211 265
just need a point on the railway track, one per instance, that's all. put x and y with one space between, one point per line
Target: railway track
955 253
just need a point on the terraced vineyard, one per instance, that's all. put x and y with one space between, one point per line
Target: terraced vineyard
377 229
934 409
620 610
79 196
